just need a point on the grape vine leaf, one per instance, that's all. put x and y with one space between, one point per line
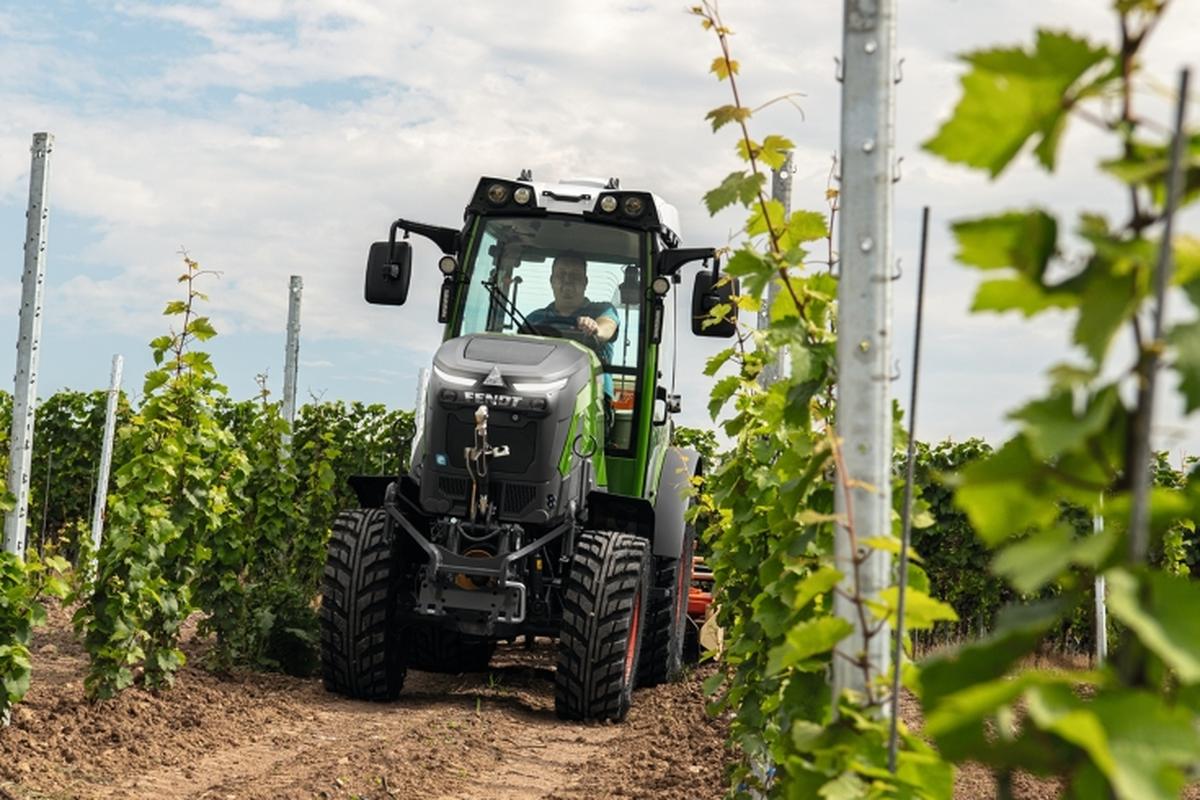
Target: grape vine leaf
1011 96
807 639
1160 610
737 187
1052 427
1020 240
1185 338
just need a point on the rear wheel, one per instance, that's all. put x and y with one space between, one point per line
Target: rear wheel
360 645
435 649
604 608
666 618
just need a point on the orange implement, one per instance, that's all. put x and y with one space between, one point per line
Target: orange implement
700 592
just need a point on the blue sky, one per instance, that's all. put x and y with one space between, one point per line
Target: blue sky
272 137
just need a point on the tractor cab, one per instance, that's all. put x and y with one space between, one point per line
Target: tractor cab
499 280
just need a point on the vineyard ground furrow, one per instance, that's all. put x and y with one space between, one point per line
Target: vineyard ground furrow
257 735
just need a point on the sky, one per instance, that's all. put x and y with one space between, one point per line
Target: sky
269 138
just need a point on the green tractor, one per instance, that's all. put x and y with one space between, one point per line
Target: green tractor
544 496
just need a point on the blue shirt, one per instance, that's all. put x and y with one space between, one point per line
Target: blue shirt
550 316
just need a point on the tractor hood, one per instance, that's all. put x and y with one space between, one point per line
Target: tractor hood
510 364
543 398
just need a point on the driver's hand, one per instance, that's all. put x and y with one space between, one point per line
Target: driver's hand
587 325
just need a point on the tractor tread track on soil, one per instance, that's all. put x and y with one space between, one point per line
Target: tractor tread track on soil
358 643
608 572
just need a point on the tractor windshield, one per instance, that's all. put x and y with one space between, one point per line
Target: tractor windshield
553 271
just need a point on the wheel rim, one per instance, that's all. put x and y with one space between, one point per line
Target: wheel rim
681 590
631 645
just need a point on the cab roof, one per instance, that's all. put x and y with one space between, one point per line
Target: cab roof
585 197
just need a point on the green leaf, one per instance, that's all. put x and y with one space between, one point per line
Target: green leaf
755 270
1147 164
816 584
1151 744
1005 493
803 226
155 379
1109 300
1161 611
774 150
1013 96
920 610
174 307
738 187
1019 294
201 329
721 392
1033 562
717 361
846 786
1052 426
1185 339
1024 241
807 639
725 114
1018 630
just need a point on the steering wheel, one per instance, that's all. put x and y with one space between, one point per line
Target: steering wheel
562 332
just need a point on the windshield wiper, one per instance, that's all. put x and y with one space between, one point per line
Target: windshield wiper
508 306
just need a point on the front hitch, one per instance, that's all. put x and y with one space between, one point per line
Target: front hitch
477 459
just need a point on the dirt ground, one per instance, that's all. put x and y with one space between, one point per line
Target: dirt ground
254 735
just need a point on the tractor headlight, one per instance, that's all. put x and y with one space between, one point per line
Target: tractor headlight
661 285
447 265
522 195
608 204
454 380
542 387
633 206
498 193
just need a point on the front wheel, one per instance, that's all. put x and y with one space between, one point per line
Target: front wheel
604 608
360 644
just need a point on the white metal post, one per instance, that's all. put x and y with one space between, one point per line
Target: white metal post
781 190
291 358
28 339
864 348
106 446
1101 600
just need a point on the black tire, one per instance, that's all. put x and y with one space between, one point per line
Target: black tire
666 617
360 642
434 649
604 607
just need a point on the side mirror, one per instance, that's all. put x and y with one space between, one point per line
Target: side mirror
705 296
389 270
670 405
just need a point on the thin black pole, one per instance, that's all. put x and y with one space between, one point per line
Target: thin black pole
1139 526
893 737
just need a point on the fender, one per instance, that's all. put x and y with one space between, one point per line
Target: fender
671 499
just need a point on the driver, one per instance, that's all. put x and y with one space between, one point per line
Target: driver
572 309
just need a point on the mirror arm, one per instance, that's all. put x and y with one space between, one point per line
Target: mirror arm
669 262
448 239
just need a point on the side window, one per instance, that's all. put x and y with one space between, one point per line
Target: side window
476 312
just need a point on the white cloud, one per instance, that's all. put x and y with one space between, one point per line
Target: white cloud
301 129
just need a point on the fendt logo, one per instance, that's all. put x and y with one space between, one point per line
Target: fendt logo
495 400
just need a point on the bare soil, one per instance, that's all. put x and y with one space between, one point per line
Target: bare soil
256 735
259 735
